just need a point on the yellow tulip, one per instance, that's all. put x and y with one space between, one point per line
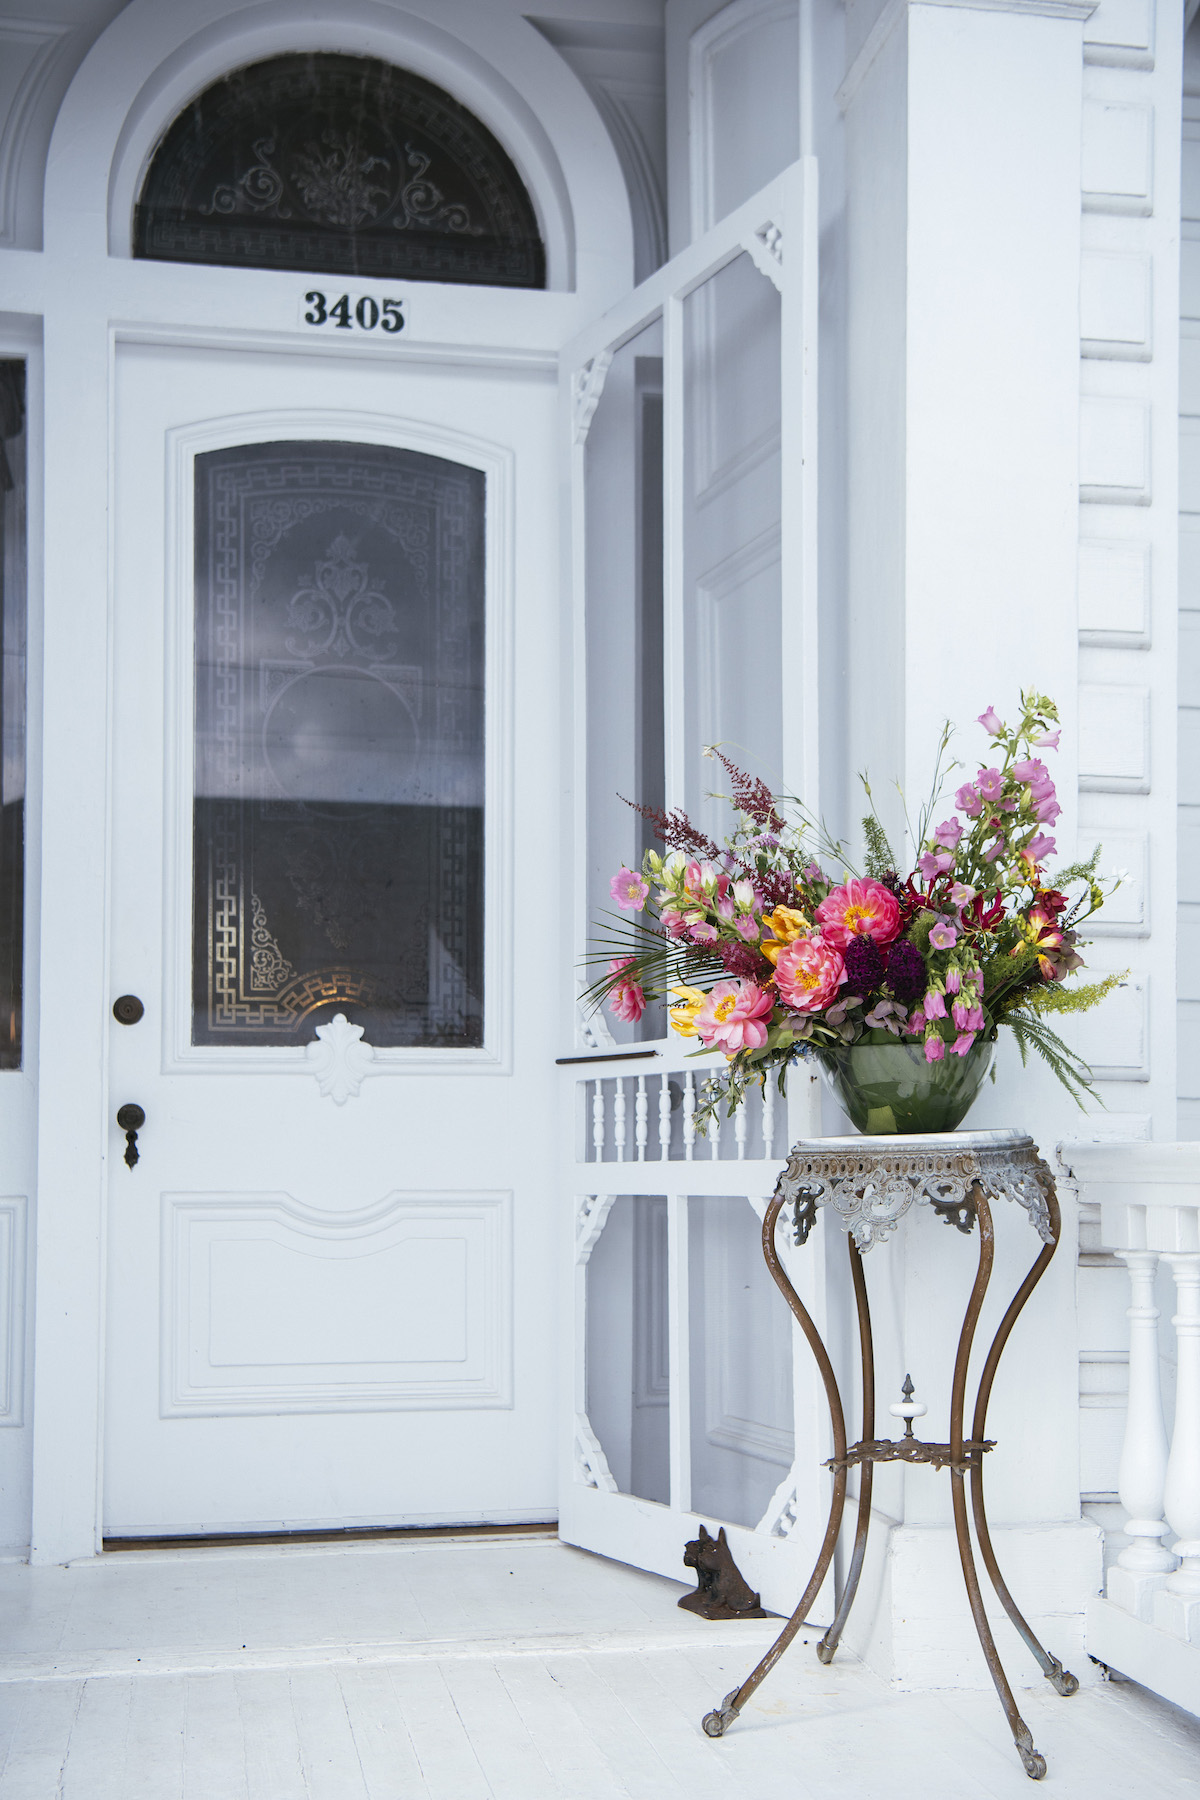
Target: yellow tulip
683 1018
787 924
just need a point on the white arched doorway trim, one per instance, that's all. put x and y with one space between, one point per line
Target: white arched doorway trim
152 61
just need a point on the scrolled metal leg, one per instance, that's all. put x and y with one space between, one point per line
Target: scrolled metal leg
829 1643
717 1722
1034 1763
1060 1679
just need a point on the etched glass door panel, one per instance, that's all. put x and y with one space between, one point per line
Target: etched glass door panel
339 745
627 1362
743 1437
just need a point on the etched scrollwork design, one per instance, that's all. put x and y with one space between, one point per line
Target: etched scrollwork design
872 1188
259 189
340 607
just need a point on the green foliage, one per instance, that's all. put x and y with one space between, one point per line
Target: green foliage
881 858
1071 997
1079 871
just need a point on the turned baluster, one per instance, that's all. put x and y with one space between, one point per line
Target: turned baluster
597 1121
641 1118
768 1118
619 1118
1143 1468
664 1117
1182 1493
689 1116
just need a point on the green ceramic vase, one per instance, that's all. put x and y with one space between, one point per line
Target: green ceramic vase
887 1088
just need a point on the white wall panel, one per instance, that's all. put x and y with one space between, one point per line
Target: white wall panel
1115 304
1114 450
1114 592
1113 1038
1123 855
1121 25
1118 157
13 1314
271 1306
744 115
1114 734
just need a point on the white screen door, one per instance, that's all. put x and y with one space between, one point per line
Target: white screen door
324 1270
692 415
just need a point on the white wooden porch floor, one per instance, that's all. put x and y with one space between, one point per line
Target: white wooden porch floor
470 1669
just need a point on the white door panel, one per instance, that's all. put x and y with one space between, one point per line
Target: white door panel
327 1270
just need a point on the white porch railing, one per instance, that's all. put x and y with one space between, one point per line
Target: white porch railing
1147 1624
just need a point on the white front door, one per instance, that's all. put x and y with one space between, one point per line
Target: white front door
327 1268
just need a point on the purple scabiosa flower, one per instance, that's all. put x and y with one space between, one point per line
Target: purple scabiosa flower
864 966
906 972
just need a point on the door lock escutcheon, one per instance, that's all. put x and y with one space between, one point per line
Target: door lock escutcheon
131 1119
128 1009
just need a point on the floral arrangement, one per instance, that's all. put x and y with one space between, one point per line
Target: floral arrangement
766 956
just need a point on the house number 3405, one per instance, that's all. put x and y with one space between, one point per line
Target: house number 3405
346 314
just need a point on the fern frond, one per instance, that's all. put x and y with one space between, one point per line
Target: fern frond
1032 1034
1079 871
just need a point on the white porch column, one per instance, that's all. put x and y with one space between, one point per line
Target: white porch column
963 150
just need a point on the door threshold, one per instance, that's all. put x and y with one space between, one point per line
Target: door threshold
352 1534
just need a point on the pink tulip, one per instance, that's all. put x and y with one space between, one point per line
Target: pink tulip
962 1043
627 1000
935 1050
991 722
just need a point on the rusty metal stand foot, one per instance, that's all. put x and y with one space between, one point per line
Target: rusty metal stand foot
716 1722
1034 1761
1062 1680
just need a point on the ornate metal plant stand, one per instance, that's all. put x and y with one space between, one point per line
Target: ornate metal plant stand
871 1183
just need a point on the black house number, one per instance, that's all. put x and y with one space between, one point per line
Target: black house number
345 314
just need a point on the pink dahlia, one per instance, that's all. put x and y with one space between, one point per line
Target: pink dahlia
862 908
810 972
733 1017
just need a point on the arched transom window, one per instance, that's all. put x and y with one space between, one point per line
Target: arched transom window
338 164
